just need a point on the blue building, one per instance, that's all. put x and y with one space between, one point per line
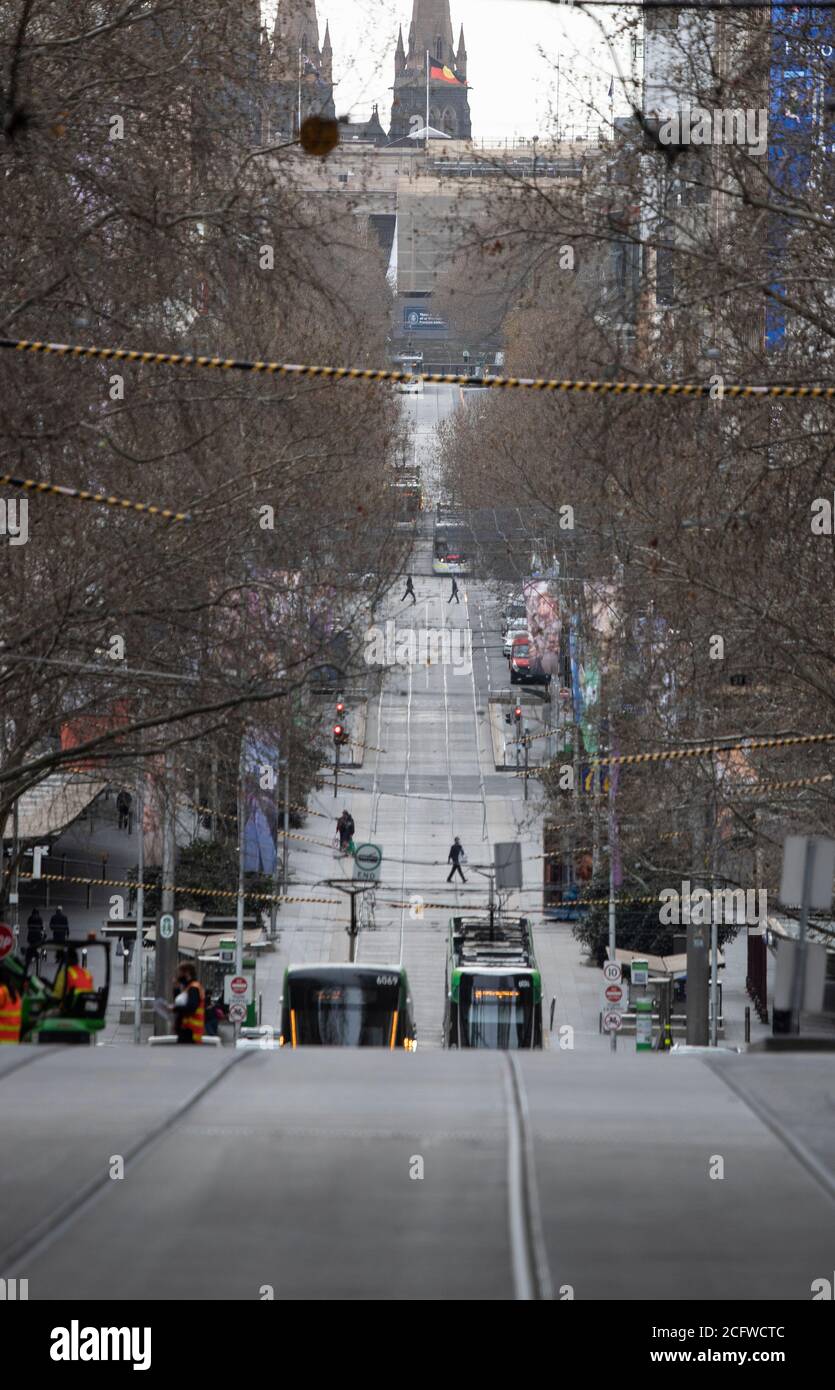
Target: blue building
800 122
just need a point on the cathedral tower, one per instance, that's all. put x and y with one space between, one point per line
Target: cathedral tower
449 109
301 73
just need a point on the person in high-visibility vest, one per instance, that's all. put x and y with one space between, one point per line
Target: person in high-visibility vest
73 979
189 1005
11 1007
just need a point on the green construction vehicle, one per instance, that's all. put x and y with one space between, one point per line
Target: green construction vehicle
50 1015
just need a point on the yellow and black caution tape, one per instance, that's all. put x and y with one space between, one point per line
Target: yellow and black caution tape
174 888
82 495
687 390
758 788
745 746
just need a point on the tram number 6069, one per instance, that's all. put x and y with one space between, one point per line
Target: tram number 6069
386 979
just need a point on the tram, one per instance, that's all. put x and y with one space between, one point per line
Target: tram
494 988
347 1006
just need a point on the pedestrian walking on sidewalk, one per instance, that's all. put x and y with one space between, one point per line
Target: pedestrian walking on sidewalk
456 854
410 589
454 592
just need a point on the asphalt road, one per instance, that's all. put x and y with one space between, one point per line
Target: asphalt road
295 1171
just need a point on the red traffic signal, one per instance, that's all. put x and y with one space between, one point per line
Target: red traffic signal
338 733
517 713
340 708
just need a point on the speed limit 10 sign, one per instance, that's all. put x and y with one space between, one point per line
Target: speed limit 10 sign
612 972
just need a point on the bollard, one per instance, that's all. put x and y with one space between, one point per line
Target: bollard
643 1025
747 1023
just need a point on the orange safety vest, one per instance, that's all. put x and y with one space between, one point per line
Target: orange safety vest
196 1022
79 981
11 1016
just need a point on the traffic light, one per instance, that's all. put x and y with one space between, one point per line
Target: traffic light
517 714
338 734
340 708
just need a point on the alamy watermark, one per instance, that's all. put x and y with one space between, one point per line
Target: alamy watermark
14 519
726 125
700 906
420 646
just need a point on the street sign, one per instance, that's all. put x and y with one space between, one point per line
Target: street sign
367 861
639 973
612 1021
6 939
238 989
237 1011
166 926
612 972
614 995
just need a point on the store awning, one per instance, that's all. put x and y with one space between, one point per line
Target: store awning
47 809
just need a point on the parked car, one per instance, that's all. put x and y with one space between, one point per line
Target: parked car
524 666
516 629
514 615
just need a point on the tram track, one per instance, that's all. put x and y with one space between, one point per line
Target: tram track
50 1227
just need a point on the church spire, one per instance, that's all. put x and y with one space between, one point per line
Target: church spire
431 29
461 56
327 56
399 54
297 27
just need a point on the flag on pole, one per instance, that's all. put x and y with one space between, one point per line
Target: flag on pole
439 72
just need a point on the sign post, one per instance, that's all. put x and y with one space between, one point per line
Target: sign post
808 866
612 1000
367 861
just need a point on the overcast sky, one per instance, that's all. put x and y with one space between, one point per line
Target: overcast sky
512 48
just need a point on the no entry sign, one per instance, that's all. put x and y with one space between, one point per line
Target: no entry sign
6 939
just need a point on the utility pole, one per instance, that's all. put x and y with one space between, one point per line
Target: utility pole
14 896
285 851
298 132
426 140
167 949
613 1037
697 946
239 930
138 945
278 861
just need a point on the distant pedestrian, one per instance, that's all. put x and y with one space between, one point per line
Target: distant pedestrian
345 829
455 856
211 1015
454 591
410 589
124 802
59 927
34 929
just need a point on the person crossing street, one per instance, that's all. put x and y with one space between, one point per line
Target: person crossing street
454 591
410 589
455 856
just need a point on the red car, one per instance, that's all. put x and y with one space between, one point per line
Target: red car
524 666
